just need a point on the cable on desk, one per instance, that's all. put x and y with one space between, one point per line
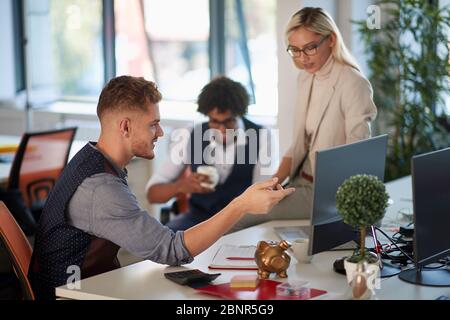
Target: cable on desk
395 244
445 261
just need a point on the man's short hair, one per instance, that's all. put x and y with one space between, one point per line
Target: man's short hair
127 93
224 94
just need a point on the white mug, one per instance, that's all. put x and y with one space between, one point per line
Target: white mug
212 173
300 250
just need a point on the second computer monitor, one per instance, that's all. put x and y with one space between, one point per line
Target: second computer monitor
431 198
333 167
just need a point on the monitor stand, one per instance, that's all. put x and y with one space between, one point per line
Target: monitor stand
427 277
388 270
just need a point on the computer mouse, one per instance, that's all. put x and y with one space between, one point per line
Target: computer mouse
338 266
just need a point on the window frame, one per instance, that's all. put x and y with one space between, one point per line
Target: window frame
109 40
216 43
19 45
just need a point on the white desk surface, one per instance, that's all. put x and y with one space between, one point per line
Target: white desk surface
6 167
145 280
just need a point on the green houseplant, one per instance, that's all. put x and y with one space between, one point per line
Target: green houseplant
408 62
362 200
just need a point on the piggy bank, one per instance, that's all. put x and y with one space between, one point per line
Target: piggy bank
272 257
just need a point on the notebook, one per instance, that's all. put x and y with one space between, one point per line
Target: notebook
234 257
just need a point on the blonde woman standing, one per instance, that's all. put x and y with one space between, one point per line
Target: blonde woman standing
334 107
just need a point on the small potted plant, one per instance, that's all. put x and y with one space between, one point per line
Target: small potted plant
362 201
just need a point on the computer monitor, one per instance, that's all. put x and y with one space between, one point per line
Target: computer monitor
333 167
431 202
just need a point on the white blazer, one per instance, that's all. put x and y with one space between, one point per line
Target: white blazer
346 110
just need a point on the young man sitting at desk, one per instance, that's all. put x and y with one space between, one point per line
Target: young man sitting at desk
91 211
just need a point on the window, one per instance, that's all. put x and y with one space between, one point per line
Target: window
251 51
169 46
18 45
78 45
65 43
132 47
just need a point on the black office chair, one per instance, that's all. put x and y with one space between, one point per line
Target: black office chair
37 164
173 208
180 204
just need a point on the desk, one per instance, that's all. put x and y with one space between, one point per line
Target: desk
5 168
145 280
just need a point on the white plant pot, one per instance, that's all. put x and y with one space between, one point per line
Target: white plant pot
350 268
371 277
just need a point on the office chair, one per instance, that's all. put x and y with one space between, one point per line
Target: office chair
173 208
179 205
18 249
37 164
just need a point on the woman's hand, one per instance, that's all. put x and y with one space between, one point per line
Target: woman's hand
284 169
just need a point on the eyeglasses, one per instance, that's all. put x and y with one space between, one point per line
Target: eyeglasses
309 50
228 123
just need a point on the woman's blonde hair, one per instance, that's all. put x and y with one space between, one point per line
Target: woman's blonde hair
319 21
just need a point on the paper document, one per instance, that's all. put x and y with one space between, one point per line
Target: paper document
234 257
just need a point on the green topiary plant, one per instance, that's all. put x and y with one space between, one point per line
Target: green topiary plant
362 201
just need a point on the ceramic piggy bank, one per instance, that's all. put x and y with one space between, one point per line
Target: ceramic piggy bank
272 257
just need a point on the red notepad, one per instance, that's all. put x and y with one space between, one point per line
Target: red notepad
266 291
